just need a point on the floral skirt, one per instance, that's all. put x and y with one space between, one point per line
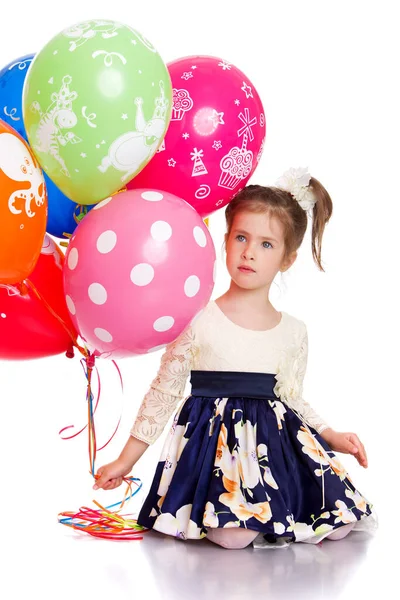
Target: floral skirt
236 456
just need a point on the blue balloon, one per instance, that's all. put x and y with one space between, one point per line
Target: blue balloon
12 78
63 213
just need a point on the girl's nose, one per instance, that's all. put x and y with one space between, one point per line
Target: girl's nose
248 253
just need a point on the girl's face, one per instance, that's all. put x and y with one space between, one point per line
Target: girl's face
255 249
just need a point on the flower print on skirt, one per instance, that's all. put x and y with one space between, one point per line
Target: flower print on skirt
236 456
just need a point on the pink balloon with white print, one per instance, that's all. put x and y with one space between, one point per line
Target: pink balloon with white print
138 269
215 138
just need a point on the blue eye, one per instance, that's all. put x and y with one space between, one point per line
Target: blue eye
270 245
240 236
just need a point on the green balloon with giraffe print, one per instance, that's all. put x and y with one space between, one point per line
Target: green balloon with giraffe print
96 106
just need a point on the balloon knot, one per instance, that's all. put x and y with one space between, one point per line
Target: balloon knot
23 288
90 361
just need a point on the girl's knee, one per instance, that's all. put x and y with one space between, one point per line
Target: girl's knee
233 544
341 532
232 539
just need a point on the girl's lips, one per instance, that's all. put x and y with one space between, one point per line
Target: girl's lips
246 270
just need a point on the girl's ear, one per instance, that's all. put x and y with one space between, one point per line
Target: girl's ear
288 262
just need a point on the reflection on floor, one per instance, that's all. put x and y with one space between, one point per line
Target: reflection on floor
60 563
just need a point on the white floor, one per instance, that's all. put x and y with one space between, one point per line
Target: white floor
53 562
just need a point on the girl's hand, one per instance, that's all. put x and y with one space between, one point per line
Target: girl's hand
111 476
347 443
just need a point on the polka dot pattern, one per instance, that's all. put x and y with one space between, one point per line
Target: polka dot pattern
138 271
200 236
97 293
70 305
73 258
102 203
156 348
106 241
142 274
152 196
161 231
103 335
163 323
192 286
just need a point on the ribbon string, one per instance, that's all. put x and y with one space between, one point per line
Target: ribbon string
104 523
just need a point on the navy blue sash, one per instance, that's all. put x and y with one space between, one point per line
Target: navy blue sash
232 384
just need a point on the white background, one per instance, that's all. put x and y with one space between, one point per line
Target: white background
328 77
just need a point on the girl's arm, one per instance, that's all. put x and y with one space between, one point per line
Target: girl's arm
290 384
345 442
167 389
164 394
111 475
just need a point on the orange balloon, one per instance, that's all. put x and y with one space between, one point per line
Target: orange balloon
23 207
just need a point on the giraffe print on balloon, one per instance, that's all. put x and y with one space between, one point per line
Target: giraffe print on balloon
57 117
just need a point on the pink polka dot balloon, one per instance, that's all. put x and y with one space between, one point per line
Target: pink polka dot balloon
138 269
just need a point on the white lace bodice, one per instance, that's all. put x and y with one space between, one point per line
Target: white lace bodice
212 342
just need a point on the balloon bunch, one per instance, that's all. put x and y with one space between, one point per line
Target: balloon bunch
94 112
104 145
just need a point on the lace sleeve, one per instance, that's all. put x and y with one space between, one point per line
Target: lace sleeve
289 385
167 389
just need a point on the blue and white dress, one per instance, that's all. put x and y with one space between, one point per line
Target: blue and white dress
244 449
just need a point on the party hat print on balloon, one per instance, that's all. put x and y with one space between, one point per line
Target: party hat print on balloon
199 166
97 102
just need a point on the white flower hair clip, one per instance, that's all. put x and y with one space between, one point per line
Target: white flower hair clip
296 182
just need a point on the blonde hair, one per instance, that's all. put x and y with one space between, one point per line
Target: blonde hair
282 205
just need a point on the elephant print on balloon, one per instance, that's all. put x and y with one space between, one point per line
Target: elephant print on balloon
133 149
19 165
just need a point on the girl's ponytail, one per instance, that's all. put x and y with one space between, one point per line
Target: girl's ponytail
321 214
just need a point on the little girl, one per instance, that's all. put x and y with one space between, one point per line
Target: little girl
247 459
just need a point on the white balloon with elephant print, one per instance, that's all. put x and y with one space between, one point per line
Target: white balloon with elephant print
138 269
97 102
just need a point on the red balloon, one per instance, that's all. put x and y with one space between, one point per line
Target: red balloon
215 139
28 329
